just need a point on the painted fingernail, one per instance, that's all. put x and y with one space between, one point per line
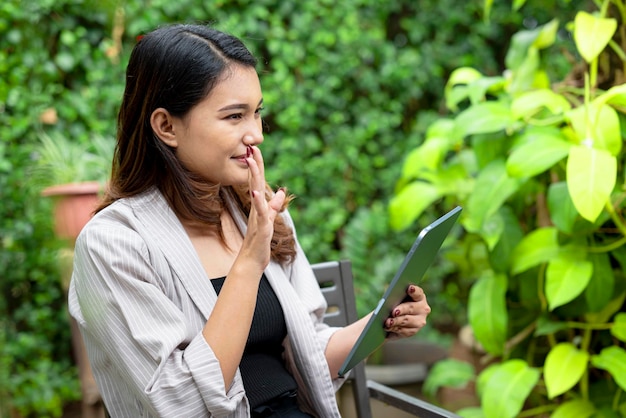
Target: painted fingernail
389 323
253 193
411 289
396 312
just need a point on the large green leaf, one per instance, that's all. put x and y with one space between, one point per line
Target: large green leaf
532 158
450 373
487 311
592 34
613 360
567 276
598 126
540 246
577 408
507 389
563 213
492 188
526 105
409 204
591 177
564 367
483 118
618 330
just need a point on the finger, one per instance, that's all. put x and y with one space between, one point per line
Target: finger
277 201
415 292
257 156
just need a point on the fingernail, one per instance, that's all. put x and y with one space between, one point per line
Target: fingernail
253 193
396 312
389 323
411 289
284 190
248 151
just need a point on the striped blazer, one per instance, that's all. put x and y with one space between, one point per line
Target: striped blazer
141 298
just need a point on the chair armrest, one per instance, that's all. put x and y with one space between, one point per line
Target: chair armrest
406 402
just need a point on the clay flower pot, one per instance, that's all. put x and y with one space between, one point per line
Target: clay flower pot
73 207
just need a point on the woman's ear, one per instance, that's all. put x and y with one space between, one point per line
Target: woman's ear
162 124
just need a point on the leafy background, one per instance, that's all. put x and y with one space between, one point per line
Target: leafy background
349 87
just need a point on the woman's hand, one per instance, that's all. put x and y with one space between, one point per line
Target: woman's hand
409 316
256 244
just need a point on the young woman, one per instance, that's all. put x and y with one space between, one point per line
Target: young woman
193 296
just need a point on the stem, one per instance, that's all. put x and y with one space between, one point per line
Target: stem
618 393
616 48
589 327
540 410
608 248
618 222
540 285
584 381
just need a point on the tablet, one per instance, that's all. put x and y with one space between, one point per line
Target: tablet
420 257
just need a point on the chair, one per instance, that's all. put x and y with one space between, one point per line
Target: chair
335 280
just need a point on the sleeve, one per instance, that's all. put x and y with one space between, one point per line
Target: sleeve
121 302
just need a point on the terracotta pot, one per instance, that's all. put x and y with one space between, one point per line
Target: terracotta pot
73 207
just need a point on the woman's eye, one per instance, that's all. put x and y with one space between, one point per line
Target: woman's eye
235 116
259 111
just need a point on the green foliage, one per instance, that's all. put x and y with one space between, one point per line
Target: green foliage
539 168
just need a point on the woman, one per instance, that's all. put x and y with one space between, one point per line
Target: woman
193 296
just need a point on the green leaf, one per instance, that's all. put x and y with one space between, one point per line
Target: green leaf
577 408
520 44
540 246
618 330
470 412
592 34
600 289
427 156
462 77
507 389
597 126
449 373
487 311
613 360
563 213
483 118
615 96
567 276
609 310
534 157
564 367
591 177
406 206
510 236
492 188
547 34
529 103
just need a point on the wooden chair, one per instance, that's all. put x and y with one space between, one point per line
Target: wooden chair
335 280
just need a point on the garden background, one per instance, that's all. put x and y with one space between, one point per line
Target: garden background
350 89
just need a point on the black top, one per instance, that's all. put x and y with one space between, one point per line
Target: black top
262 367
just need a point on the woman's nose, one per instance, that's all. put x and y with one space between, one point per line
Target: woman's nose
254 134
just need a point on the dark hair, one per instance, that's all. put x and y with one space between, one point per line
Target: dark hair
175 67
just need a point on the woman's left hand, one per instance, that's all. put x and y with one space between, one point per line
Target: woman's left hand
409 316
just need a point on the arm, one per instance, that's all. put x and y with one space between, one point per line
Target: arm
407 319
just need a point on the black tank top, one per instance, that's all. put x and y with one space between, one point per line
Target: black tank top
262 367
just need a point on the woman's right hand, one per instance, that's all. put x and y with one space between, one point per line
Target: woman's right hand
256 243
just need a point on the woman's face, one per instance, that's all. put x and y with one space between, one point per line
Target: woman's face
212 139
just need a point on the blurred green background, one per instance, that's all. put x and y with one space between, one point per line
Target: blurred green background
349 89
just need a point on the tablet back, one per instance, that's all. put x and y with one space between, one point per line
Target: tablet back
415 264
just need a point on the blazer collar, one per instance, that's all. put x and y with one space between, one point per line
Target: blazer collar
169 235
